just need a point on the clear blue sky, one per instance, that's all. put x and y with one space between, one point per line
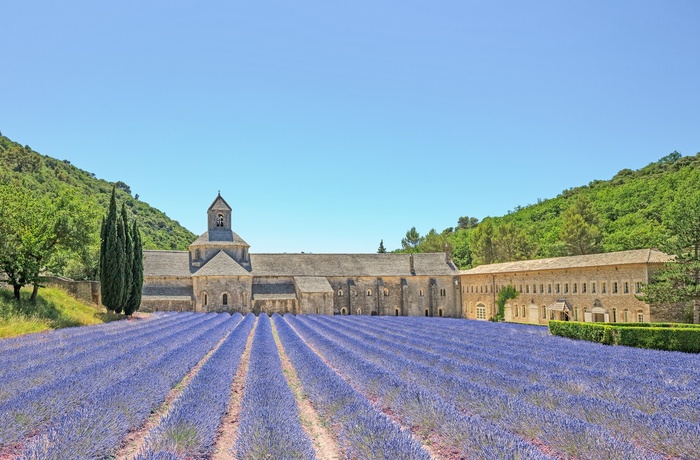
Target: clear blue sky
329 125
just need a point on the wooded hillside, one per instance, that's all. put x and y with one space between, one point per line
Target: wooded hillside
625 212
44 176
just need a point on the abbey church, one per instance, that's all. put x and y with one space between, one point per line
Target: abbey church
218 273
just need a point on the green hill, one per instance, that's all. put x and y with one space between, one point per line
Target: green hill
46 176
625 212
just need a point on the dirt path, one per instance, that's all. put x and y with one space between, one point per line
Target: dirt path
134 441
228 430
316 428
385 410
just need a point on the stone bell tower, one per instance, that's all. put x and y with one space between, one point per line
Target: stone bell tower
219 220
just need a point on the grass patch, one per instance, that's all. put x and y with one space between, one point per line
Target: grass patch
53 309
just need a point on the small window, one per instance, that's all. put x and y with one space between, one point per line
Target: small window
443 292
521 288
640 316
369 293
614 317
516 311
340 293
549 289
566 288
534 289
396 312
206 300
523 311
527 289
593 290
541 288
386 292
359 311
440 312
638 287
627 287
604 289
558 290
420 292
220 220
426 312
343 311
544 312
480 312
627 319
575 288
317 310
614 287
196 254
584 288
224 299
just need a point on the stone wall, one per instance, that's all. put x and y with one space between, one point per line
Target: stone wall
88 291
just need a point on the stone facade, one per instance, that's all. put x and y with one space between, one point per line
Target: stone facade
218 273
590 288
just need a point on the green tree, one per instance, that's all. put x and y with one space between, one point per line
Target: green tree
112 259
511 243
128 245
35 230
412 240
134 300
679 281
435 242
483 246
580 232
382 249
466 222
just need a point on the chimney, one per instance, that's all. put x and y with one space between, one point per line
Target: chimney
413 270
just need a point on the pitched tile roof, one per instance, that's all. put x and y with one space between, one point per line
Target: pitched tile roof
204 240
312 284
222 265
635 256
350 265
166 263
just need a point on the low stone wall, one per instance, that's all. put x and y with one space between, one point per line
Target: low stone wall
88 291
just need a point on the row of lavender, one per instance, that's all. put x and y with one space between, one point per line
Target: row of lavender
105 386
541 389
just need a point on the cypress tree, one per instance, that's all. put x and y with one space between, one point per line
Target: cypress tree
120 281
112 259
128 257
136 273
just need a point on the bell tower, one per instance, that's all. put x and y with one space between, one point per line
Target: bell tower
219 220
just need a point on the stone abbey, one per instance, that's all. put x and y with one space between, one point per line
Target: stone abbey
218 273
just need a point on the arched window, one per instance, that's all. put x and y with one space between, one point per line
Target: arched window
343 311
420 293
614 318
544 312
359 311
426 312
220 220
369 292
340 293
224 299
317 310
440 312
627 319
640 316
396 312
523 311
517 311
196 254
206 299
386 292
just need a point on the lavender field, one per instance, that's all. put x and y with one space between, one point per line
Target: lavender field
190 385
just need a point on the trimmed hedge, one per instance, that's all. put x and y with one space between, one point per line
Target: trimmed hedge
658 336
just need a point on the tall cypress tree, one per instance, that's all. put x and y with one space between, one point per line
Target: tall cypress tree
128 257
136 273
112 259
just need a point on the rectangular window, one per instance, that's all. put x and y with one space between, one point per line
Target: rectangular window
575 288
534 289
566 288
549 289
615 287
516 311
583 288
544 312
541 288
557 288
640 317
521 288
527 288
481 313
593 288
627 287
604 290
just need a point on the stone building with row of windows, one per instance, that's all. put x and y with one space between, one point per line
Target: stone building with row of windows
218 273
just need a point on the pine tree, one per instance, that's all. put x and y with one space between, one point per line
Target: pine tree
382 249
134 300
